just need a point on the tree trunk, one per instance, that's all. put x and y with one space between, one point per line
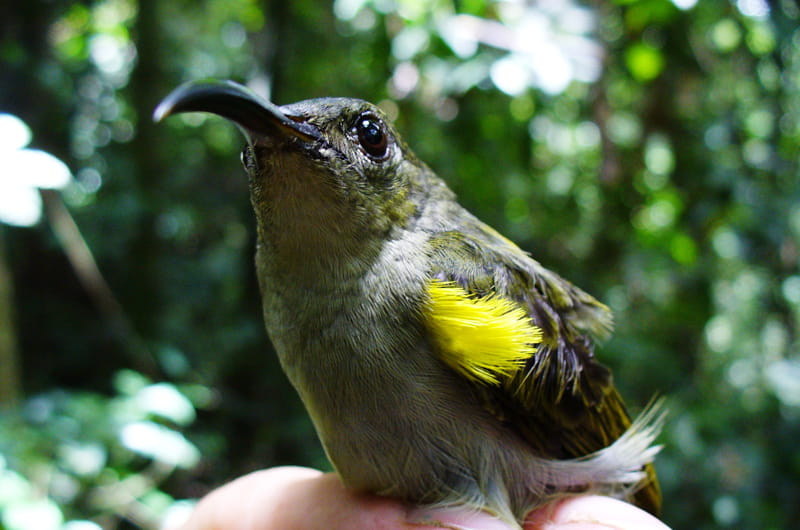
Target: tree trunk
9 364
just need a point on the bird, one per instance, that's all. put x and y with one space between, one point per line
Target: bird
441 365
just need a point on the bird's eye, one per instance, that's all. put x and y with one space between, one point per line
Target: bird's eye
248 159
371 136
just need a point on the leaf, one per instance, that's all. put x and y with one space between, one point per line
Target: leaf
644 62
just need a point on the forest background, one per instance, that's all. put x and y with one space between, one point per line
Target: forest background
645 149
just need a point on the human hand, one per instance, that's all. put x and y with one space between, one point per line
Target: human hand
302 498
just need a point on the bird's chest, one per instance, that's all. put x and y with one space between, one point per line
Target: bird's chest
359 356
338 339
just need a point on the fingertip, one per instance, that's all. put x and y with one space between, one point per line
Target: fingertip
592 512
282 474
241 503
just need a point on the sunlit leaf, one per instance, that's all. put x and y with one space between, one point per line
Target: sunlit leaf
761 39
644 62
129 382
177 513
81 525
159 443
35 169
510 76
14 488
784 380
658 155
14 133
753 8
726 35
643 13
42 514
683 249
19 205
164 400
83 459
684 4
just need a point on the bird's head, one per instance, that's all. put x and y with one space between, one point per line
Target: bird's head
328 177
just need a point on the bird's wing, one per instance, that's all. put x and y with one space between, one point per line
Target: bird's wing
557 395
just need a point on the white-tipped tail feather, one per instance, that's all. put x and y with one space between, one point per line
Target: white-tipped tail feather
619 464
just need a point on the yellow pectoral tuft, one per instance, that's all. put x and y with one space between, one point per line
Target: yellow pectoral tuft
485 339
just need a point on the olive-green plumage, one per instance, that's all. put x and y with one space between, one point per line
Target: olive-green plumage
376 284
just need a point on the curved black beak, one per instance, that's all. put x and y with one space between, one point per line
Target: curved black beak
255 115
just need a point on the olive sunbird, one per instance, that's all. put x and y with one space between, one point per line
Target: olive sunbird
441 365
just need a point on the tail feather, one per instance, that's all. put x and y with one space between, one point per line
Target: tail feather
622 469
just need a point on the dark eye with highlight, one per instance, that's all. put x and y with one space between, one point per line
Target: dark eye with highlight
371 136
248 159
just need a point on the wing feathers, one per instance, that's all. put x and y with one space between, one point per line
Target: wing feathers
563 401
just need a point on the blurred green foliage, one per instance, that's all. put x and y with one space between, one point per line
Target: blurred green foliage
645 149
